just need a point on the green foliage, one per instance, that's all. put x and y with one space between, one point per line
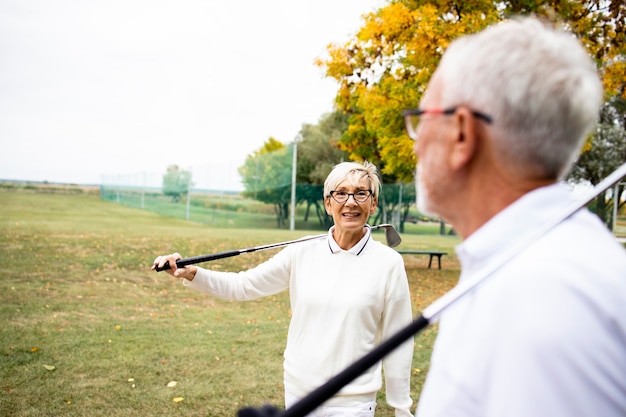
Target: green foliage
606 149
176 182
395 199
317 155
267 177
317 149
605 152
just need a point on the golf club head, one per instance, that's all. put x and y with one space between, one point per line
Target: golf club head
391 235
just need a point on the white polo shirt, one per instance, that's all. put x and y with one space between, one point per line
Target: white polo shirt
546 334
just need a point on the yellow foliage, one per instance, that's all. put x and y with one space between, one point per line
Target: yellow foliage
614 78
385 68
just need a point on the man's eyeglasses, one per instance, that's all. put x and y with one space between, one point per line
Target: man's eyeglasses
412 118
342 196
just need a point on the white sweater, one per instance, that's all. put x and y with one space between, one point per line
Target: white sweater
343 303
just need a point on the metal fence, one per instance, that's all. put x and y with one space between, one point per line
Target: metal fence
261 192
233 209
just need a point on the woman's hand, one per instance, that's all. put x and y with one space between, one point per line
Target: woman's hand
188 272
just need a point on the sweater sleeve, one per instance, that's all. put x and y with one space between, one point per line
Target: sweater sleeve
397 365
268 278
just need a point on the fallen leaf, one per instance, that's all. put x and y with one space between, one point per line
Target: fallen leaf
34 349
171 384
177 399
131 379
50 367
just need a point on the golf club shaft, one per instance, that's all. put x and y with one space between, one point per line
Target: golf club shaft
227 254
180 263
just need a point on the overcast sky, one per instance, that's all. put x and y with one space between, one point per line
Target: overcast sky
90 90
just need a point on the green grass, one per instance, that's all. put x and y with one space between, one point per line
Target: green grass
77 294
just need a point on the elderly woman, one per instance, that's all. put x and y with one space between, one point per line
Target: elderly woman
348 293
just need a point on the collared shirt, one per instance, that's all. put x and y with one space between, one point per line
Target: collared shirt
356 249
545 335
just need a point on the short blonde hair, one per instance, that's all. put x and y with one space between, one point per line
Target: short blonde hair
355 171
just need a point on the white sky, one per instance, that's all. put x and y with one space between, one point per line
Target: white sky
100 88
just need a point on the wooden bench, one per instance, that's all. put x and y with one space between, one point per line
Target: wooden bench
431 253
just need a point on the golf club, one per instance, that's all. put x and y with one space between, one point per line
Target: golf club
333 385
391 236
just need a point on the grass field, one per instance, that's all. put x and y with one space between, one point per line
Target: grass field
89 330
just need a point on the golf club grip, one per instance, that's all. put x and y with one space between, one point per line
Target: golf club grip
200 258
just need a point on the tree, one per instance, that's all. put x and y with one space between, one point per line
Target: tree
317 155
385 68
176 182
266 176
394 204
604 152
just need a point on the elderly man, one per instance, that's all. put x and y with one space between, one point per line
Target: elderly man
502 121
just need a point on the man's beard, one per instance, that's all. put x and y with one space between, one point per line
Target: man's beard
422 198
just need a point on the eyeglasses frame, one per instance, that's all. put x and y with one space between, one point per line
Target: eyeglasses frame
446 112
332 194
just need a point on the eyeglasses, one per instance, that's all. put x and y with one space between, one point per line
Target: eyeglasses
412 118
360 196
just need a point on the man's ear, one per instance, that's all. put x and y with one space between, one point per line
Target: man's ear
466 138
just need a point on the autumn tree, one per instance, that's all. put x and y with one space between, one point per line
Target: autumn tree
176 182
386 66
385 69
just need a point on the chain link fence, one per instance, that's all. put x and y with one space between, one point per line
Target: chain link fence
259 193
234 209
231 209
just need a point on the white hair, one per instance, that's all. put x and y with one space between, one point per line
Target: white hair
538 84
354 171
